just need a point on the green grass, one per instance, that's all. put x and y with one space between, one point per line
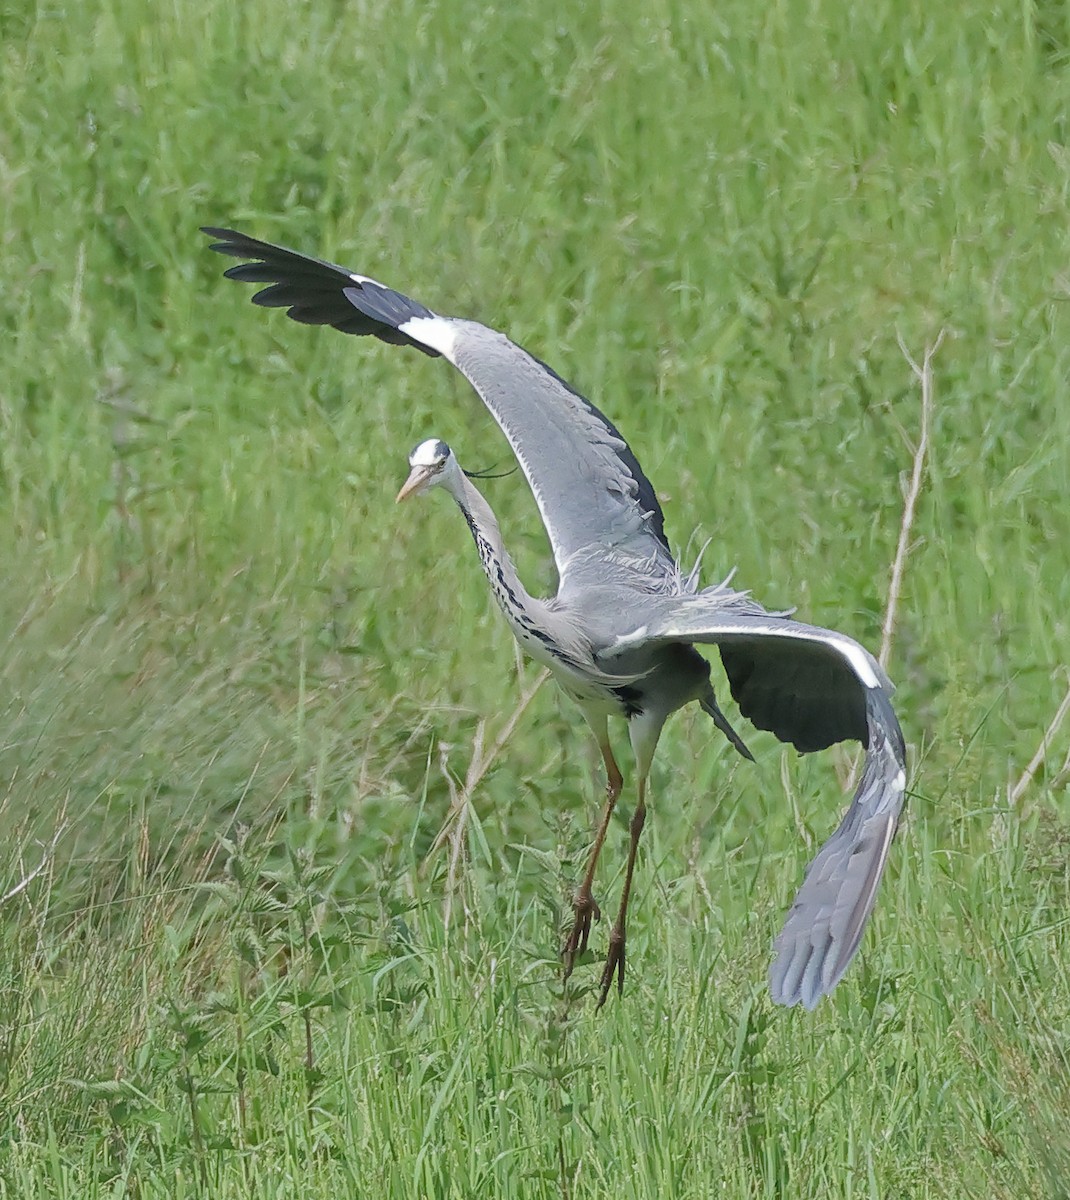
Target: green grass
239 689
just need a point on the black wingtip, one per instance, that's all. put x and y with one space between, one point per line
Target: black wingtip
316 292
224 237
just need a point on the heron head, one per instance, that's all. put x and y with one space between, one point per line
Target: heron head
431 464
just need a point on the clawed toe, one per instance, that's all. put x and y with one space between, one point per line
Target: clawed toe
614 966
586 909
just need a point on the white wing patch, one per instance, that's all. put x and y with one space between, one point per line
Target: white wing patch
852 651
437 332
856 656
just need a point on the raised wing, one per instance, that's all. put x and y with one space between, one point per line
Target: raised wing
811 687
587 483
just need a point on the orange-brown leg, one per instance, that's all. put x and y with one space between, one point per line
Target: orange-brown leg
615 957
585 909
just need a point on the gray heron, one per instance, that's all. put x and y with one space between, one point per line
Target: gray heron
620 634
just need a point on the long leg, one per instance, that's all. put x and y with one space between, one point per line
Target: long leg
584 907
615 958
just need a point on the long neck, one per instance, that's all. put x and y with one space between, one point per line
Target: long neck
510 593
543 630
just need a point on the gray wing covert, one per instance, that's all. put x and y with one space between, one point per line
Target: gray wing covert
587 483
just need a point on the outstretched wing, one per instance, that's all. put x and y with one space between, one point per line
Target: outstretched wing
811 687
587 483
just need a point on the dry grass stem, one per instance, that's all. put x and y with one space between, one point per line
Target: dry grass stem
479 764
924 374
1035 763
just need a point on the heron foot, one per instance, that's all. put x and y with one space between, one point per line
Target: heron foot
585 909
614 966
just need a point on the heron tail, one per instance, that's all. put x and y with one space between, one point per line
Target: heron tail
709 705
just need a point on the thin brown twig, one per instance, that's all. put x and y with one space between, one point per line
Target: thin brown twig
42 866
1026 777
924 374
25 881
460 797
457 822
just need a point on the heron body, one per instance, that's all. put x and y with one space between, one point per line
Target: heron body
620 633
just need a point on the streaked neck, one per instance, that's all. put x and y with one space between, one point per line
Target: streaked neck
510 593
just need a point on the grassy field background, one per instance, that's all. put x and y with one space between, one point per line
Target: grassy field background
242 694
